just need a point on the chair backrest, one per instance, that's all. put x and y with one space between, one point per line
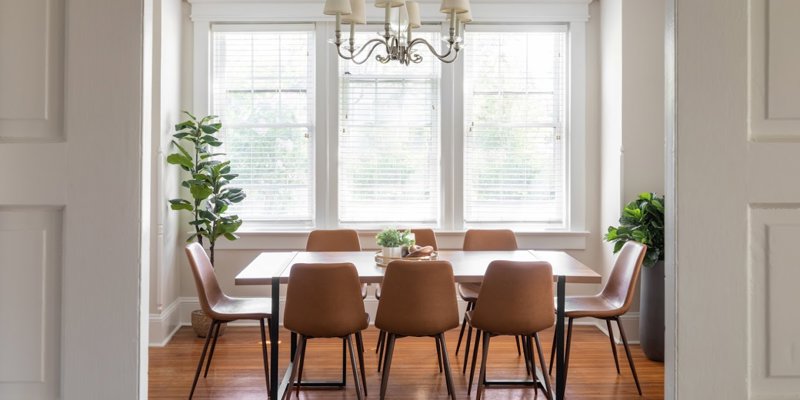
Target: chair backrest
424 237
516 298
333 240
489 239
324 300
621 284
205 280
418 298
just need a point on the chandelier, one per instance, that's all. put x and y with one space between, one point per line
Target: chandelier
396 39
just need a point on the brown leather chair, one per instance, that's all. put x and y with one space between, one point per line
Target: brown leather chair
422 237
481 240
339 240
323 301
418 299
221 308
335 240
516 299
614 301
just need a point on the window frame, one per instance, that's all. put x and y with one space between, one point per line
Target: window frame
571 14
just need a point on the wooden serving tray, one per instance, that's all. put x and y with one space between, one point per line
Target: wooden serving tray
384 261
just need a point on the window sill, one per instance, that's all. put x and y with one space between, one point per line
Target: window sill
253 240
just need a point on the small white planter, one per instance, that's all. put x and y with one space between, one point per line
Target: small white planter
393 252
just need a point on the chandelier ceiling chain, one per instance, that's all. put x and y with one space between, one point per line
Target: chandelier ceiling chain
397 40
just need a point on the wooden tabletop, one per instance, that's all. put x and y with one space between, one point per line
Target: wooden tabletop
468 266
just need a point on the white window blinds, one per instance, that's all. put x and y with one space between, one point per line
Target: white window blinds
263 90
514 150
389 135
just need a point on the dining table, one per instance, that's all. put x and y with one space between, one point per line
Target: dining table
273 269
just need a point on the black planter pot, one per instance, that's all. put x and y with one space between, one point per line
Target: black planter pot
651 312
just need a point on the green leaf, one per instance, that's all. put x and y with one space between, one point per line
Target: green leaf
618 246
181 204
180 159
200 192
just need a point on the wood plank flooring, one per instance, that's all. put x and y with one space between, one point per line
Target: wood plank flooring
237 372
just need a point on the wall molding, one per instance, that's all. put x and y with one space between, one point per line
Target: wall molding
178 314
163 325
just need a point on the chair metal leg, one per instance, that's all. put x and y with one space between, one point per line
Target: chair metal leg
439 354
541 361
482 376
385 378
356 380
552 355
382 351
446 361
530 362
379 344
264 351
566 351
613 345
344 361
463 325
298 355
213 346
516 339
474 359
202 358
299 366
628 352
466 348
360 343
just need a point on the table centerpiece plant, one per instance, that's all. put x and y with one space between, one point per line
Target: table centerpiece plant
393 242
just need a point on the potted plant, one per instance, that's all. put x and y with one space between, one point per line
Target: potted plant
394 242
642 221
207 185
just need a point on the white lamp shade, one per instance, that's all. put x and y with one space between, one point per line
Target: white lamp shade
459 6
465 17
413 14
389 3
333 7
357 16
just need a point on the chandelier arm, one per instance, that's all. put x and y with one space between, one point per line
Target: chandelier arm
352 57
363 47
441 57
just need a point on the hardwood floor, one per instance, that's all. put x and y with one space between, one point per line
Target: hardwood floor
237 372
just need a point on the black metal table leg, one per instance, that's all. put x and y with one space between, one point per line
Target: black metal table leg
273 338
560 368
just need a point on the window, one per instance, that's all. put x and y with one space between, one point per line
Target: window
263 90
389 135
515 106
319 142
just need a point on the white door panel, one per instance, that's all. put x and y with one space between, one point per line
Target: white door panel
70 198
738 199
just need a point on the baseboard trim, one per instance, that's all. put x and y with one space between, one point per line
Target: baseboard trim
164 324
180 311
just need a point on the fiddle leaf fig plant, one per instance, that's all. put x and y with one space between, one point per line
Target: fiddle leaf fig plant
642 221
207 183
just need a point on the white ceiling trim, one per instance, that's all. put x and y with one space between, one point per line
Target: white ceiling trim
484 11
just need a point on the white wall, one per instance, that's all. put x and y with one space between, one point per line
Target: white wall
168 22
632 112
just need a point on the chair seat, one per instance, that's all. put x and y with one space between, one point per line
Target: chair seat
590 306
233 308
469 291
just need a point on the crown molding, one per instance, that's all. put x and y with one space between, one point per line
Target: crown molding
484 11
